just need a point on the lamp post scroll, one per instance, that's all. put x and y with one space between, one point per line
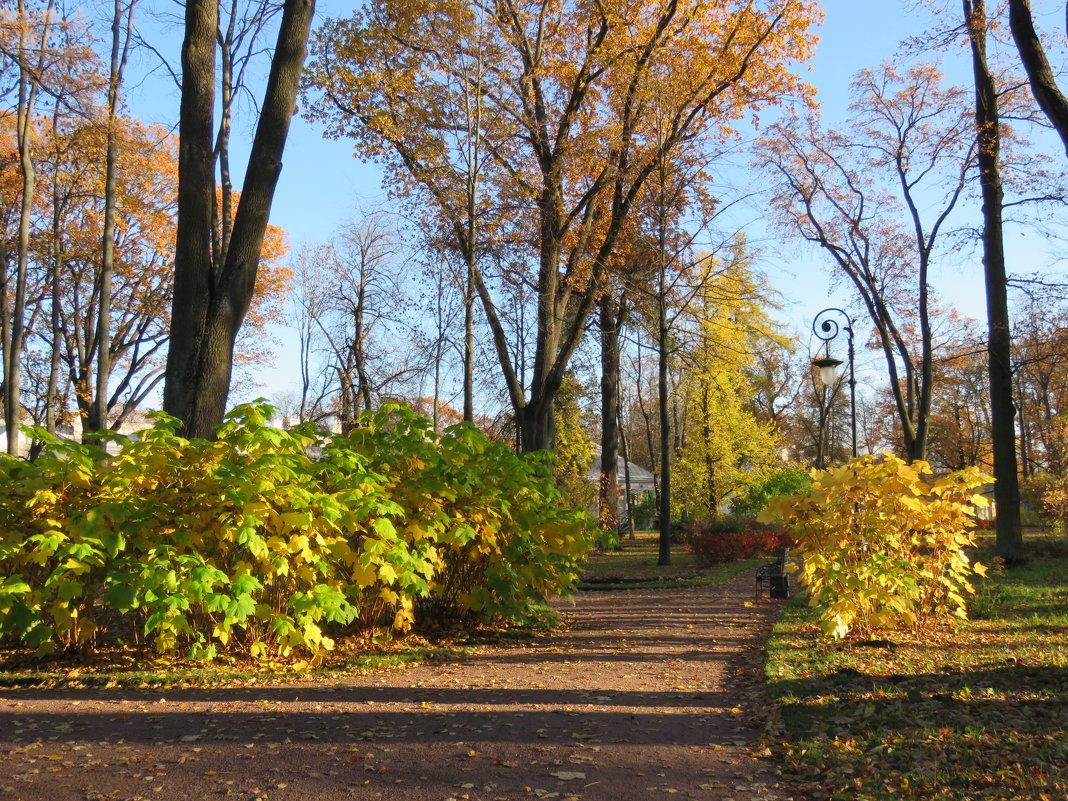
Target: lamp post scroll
826 327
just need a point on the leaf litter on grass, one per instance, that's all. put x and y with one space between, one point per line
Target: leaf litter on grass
977 711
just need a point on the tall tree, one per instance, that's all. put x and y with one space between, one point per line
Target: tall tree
67 263
612 312
876 197
960 418
368 301
142 213
727 446
1009 533
53 60
121 36
354 327
572 146
213 286
30 61
1040 350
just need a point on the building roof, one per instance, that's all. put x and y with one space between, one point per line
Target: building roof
639 477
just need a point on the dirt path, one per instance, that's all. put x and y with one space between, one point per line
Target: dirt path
635 700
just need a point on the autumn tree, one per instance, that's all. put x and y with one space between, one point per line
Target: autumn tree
308 304
1040 366
354 326
876 196
612 311
141 209
48 61
727 447
574 451
567 137
30 57
639 421
215 278
444 296
369 298
66 266
960 414
773 375
122 33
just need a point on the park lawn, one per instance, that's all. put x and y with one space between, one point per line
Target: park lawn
977 711
634 566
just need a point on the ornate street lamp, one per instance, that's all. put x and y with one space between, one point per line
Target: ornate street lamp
826 327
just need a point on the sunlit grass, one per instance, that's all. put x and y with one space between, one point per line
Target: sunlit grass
975 711
635 566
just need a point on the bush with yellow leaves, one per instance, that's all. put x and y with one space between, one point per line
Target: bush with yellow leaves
246 545
880 546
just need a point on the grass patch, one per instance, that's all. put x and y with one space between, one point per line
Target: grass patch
115 668
977 711
634 566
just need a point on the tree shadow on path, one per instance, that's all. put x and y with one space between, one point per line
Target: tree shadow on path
634 700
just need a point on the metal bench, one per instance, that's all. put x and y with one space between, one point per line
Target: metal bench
772 577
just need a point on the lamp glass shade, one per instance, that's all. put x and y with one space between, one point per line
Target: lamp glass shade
828 369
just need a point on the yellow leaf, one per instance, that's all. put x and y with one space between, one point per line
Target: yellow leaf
364 575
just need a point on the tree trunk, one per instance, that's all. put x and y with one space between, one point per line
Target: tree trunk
437 364
608 496
625 451
469 339
710 463
664 556
55 274
358 355
210 302
194 271
54 358
650 444
537 425
346 414
16 331
98 420
1039 73
1009 534
1025 435
5 332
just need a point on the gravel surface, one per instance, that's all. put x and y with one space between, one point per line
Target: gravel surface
639 697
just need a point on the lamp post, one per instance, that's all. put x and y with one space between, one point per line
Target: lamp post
826 327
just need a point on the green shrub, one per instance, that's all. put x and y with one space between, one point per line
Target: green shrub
783 482
246 545
645 511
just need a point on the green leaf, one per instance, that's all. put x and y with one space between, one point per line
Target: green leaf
241 608
121 597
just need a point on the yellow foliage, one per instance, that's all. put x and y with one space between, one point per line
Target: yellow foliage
881 547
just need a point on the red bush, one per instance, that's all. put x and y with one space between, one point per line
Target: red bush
757 539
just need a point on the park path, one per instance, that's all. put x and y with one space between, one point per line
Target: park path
637 698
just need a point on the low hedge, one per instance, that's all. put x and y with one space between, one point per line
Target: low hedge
247 545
